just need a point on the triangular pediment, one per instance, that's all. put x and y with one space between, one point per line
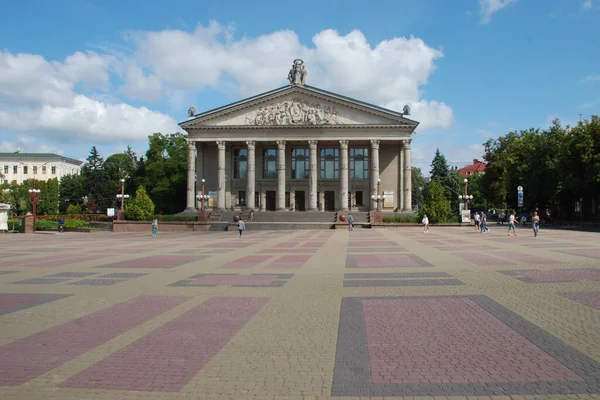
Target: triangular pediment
297 106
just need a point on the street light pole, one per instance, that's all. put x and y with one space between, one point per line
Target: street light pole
202 203
34 197
122 196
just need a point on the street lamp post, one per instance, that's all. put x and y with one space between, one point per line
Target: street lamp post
202 194
122 196
34 197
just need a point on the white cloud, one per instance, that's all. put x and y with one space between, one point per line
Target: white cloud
46 98
85 118
487 8
390 73
587 5
25 144
30 79
591 79
41 99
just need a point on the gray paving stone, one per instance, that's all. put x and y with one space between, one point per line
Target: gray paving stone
97 282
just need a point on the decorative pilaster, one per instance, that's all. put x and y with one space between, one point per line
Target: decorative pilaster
280 175
344 175
251 176
199 169
312 177
401 175
407 206
221 175
374 170
191 176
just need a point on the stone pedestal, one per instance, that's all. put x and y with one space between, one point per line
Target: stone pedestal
203 215
377 217
29 227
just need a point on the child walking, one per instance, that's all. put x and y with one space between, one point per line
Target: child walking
154 227
425 224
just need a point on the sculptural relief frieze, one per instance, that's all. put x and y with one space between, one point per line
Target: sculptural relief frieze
294 112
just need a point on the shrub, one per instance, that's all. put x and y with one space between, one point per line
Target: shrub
42 224
16 223
172 218
401 219
437 206
140 207
71 223
74 209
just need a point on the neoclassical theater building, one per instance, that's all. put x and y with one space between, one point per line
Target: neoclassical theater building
299 148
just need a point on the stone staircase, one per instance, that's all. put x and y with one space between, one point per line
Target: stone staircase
269 220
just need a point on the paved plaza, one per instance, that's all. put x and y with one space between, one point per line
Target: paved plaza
373 313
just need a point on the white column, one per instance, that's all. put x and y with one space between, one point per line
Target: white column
400 205
407 206
251 176
374 171
221 175
312 177
280 175
344 175
191 176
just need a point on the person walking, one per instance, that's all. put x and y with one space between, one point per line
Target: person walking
535 223
484 227
154 227
425 224
511 223
350 222
241 226
477 221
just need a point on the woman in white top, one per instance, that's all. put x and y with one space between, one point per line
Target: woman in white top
511 224
425 224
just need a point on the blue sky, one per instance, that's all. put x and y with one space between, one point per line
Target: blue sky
77 73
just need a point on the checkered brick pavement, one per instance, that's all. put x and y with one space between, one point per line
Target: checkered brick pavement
387 313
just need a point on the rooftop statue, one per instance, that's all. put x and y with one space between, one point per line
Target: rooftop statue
297 74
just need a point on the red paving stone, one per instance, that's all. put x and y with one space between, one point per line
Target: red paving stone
230 245
385 261
372 243
246 280
166 359
590 299
525 258
13 300
425 341
591 253
25 359
245 262
483 259
561 275
290 261
154 262
312 245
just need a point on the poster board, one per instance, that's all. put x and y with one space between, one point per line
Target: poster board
465 215
388 198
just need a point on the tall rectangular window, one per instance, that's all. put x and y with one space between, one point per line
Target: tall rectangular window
43 170
270 164
300 163
53 170
330 163
14 169
240 163
35 169
359 163
6 169
25 169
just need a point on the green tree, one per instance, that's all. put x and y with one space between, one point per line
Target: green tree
437 206
72 189
96 182
49 198
418 185
140 207
164 172
448 177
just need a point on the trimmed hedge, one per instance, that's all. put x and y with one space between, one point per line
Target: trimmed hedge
401 219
